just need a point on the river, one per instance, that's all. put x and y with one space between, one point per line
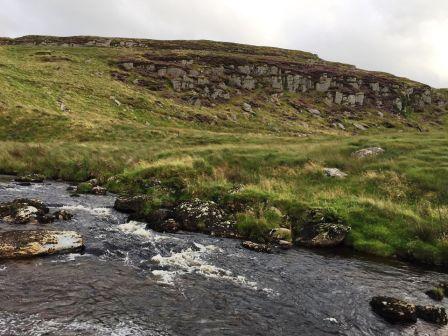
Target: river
132 281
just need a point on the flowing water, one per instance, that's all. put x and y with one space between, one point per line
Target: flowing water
132 281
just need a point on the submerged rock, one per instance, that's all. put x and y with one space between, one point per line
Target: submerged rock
31 178
394 310
257 247
432 314
368 152
23 243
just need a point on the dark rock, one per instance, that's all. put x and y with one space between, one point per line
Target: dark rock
432 314
322 235
62 215
169 225
130 205
31 243
72 188
24 184
31 178
257 247
204 216
23 211
394 310
436 294
97 190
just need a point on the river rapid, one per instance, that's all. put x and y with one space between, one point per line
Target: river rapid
133 281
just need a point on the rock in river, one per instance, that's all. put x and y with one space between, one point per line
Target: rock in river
23 211
32 178
394 310
256 247
31 243
432 314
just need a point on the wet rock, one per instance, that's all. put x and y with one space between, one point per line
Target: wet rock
99 190
130 205
368 152
432 314
62 215
436 294
23 211
256 247
284 244
169 226
31 178
72 188
394 310
32 243
322 235
334 172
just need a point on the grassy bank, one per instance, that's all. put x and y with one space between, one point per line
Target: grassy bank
64 115
396 203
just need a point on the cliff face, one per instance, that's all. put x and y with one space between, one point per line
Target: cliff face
204 72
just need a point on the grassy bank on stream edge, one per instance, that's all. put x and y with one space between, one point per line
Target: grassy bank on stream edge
396 203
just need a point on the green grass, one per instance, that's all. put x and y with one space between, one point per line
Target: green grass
395 203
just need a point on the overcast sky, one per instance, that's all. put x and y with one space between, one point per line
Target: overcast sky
404 37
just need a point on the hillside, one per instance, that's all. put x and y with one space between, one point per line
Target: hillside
251 128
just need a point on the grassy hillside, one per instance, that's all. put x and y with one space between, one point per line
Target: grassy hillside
65 112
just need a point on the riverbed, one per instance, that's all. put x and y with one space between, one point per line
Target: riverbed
133 281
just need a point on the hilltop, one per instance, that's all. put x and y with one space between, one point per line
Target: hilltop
249 128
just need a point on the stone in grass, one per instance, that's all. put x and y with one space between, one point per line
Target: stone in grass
32 243
368 152
334 172
436 294
256 247
322 235
394 310
432 314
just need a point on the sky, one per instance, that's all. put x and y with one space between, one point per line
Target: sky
405 37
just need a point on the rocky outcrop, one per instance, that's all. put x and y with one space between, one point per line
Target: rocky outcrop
394 310
22 244
368 152
130 204
432 314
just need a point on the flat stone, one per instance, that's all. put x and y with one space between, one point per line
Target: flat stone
32 243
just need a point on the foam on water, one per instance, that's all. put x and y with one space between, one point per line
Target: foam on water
191 261
100 212
139 229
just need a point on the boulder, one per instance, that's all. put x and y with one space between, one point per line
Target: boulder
31 178
131 204
334 172
322 235
436 294
284 244
23 211
169 226
368 152
23 243
97 190
279 234
256 247
394 310
204 216
432 314
62 215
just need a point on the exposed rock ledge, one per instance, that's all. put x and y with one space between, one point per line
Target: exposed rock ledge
32 243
